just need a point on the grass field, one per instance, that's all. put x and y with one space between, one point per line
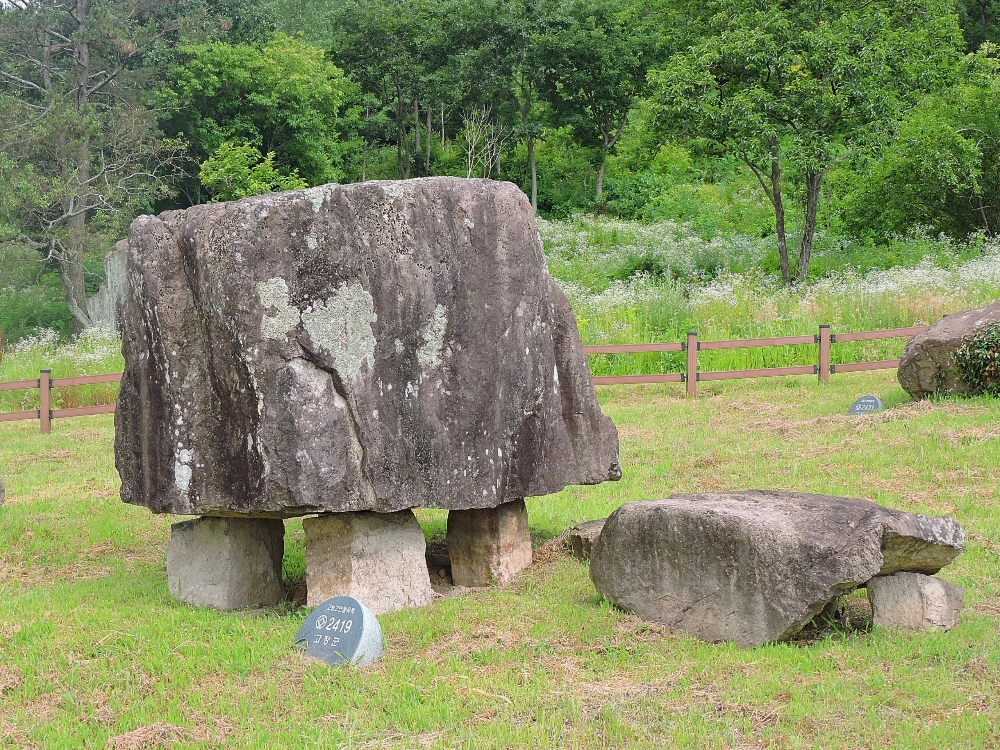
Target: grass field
92 648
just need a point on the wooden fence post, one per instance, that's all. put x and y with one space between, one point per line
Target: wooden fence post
45 400
691 374
824 353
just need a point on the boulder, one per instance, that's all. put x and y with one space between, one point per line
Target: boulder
914 601
378 346
378 558
103 308
582 538
753 567
927 365
226 563
488 545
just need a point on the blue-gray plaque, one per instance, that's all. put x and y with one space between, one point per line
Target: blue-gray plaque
866 405
341 630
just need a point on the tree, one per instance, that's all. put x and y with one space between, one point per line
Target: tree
980 21
283 97
596 58
500 60
237 171
795 88
380 45
83 155
942 170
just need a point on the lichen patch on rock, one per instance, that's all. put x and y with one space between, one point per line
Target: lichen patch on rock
429 354
273 295
342 326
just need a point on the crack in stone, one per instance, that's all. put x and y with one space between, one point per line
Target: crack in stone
353 424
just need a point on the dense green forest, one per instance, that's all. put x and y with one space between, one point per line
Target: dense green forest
823 130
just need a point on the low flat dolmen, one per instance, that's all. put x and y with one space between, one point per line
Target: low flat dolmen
754 567
354 350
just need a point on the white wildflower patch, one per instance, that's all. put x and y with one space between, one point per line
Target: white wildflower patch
630 282
94 351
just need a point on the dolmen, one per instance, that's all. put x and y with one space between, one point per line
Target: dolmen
755 567
348 353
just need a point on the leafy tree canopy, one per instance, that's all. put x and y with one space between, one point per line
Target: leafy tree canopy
942 171
236 171
596 57
284 98
805 85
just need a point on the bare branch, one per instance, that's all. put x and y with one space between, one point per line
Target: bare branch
21 81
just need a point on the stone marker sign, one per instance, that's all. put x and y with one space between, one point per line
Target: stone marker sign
341 630
866 405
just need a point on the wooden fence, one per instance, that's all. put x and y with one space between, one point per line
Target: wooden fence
45 383
691 376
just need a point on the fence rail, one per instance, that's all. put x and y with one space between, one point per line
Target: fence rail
45 383
691 376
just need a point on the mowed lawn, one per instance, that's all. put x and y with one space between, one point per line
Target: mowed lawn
92 648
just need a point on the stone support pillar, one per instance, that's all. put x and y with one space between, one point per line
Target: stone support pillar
378 558
226 563
913 601
488 545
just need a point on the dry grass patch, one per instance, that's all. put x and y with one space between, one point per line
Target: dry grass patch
10 679
156 735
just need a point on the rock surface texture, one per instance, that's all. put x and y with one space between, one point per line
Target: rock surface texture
754 567
103 308
379 346
914 601
378 558
927 366
488 545
226 563
582 538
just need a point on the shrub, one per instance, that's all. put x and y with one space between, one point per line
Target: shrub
978 360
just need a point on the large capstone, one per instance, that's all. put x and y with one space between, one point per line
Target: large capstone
754 567
379 346
928 362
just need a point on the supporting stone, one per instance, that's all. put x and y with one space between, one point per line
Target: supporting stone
378 558
226 563
488 545
913 601
582 538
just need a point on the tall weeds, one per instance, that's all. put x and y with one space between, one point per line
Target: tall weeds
716 288
94 352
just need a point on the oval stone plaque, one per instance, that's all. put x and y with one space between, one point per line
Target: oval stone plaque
341 630
866 405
